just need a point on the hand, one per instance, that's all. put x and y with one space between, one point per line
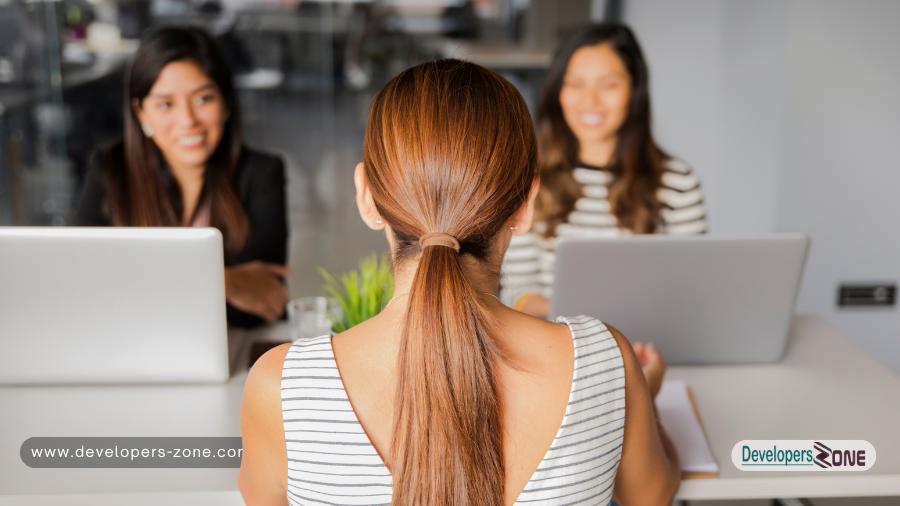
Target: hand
256 287
652 364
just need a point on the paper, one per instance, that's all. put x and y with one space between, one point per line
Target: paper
678 417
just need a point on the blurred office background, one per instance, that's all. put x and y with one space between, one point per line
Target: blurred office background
787 109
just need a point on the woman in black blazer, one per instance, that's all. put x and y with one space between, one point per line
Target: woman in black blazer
182 162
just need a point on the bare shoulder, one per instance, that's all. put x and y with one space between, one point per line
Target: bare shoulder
535 342
261 407
628 356
263 475
358 348
264 378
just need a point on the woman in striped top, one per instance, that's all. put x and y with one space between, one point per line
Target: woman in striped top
602 174
448 397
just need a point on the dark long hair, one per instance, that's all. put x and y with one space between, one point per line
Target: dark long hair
449 147
142 190
637 162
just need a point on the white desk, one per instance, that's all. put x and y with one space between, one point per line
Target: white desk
824 388
115 411
220 498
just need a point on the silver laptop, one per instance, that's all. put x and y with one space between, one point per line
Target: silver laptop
112 305
700 300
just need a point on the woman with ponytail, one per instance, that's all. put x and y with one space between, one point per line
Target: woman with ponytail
448 397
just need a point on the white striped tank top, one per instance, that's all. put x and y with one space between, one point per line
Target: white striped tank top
331 460
529 264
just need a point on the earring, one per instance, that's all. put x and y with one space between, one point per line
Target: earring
513 228
147 129
378 221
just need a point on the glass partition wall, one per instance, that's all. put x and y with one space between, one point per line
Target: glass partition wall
36 179
306 72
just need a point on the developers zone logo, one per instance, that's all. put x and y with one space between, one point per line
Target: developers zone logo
803 455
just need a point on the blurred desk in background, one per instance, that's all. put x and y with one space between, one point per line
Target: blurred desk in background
498 56
522 65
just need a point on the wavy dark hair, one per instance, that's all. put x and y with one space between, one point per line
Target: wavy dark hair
637 161
141 189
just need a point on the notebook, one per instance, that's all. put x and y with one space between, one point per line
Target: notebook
679 416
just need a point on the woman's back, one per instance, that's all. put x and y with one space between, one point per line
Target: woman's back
447 397
562 438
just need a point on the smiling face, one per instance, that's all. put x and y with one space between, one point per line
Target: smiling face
186 114
595 94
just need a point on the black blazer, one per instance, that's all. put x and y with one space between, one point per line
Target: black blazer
260 181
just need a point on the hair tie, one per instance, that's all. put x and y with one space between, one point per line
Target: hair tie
439 239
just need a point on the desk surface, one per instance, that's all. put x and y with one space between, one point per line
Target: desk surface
115 411
824 388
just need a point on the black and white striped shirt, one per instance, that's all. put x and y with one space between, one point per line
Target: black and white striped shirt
331 460
529 262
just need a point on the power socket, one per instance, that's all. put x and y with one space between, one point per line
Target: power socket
867 295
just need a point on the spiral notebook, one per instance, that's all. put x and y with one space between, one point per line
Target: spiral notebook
681 419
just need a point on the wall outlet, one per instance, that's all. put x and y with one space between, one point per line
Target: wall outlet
867 295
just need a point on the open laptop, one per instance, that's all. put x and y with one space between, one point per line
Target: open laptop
699 300
112 305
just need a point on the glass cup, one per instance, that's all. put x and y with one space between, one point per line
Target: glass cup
311 317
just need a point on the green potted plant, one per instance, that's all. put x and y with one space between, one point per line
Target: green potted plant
362 293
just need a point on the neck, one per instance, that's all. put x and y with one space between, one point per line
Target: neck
188 176
484 279
597 153
190 182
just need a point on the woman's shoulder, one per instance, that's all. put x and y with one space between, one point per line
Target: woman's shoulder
103 181
677 165
589 332
259 170
269 364
679 177
108 157
583 325
535 343
262 426
262 389
261 161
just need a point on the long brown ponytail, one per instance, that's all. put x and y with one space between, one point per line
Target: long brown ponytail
449 147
